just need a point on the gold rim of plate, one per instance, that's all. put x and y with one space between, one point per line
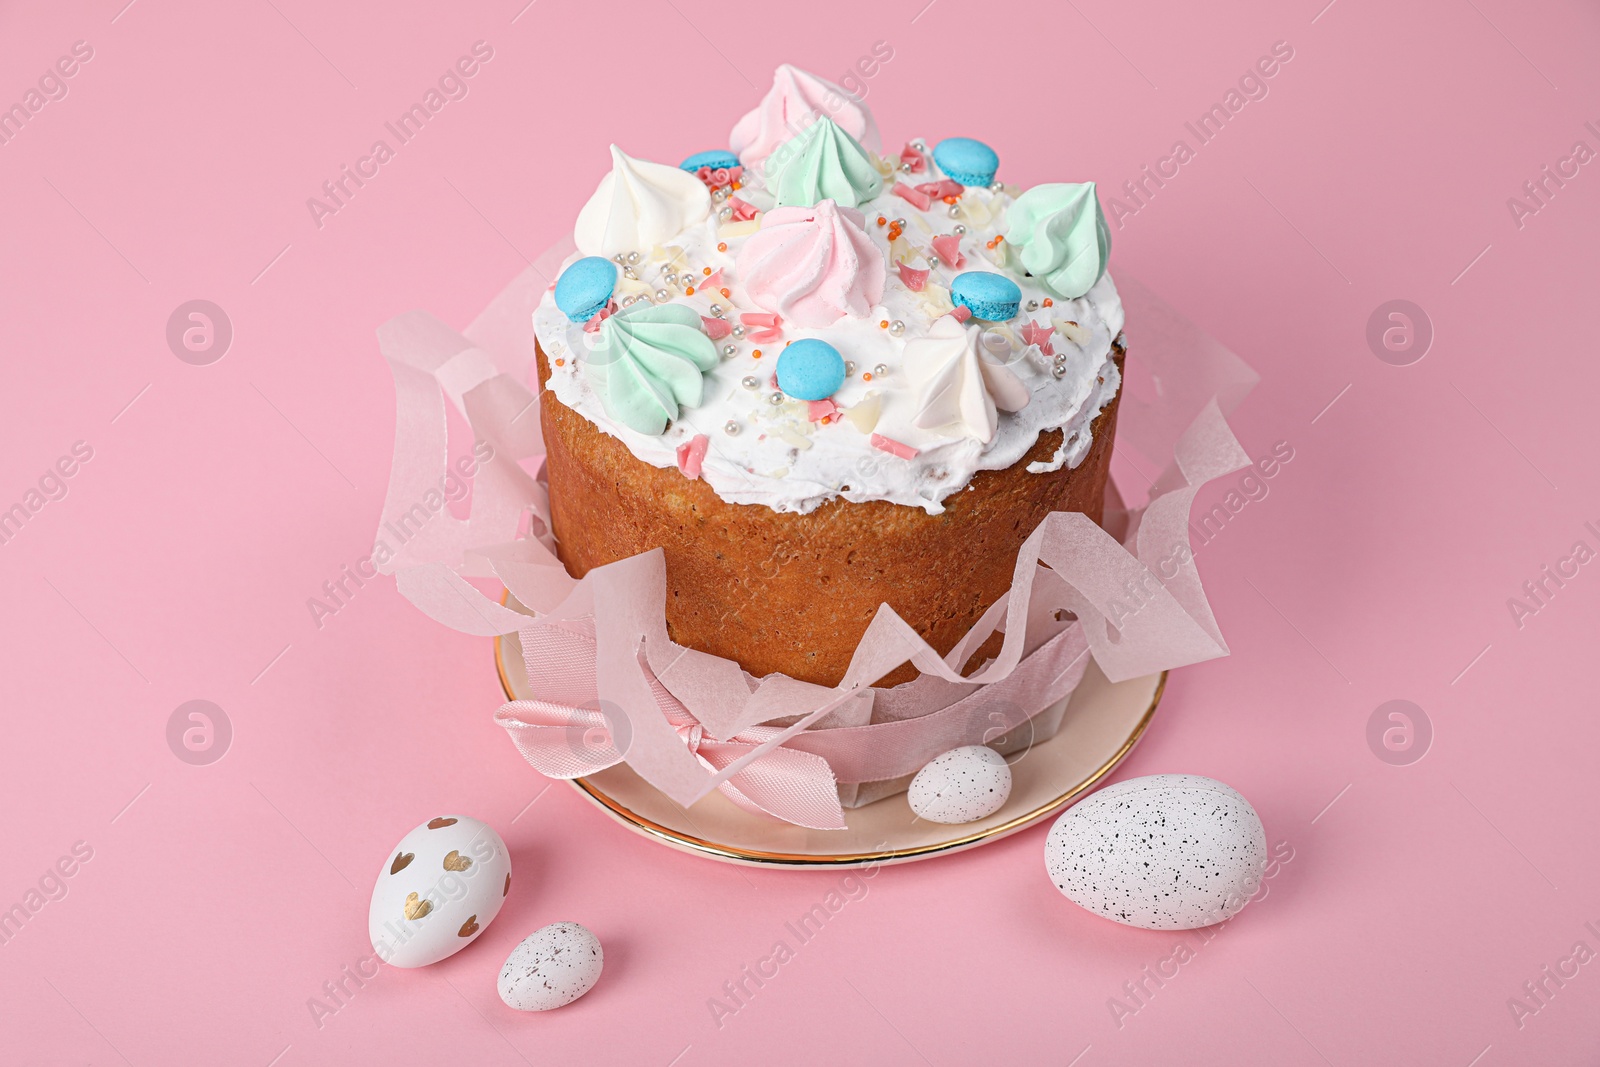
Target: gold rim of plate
958 842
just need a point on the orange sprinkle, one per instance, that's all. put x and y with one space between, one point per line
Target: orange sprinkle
722 246
688 290
705 270
726 294
952 199
738 185
757 353
866 376
998 238
1049 303
883 324
561 363
882 221
826 419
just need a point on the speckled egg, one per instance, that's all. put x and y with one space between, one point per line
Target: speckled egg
1166 852
438 889
551 967
961 785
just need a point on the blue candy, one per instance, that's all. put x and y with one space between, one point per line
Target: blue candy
987 295
967 161
583 288
810 369
715 158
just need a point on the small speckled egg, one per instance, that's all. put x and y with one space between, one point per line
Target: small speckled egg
438 890
961 785
987 295
1166 852
551 967
715 158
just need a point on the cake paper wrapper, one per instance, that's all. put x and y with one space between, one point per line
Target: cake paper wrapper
611 685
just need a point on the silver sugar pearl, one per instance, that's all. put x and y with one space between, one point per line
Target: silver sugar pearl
849 368
750 381
880 370
775 399
955 211
662 296
729 351
725 214
629 301
731 428
960 230
905 168
739 331
671 277
1058 371
630 274
617 258
896 328
1033 305
997 187
899 223
720 193
716 311
633 258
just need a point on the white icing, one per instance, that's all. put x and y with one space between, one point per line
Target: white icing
959 390
783 460
639 205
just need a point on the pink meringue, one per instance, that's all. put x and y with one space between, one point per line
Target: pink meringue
813 265
794 102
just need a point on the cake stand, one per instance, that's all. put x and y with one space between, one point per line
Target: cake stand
1102 723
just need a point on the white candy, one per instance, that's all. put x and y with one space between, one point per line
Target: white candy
438 890
551 967
962 785
1167 852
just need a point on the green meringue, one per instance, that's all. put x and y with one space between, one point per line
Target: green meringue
822 163
648 362
1061 236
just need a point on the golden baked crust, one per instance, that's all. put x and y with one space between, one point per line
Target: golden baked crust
778 591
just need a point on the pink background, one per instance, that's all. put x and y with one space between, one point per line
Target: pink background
219 898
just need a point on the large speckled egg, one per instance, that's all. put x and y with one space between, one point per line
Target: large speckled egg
551 967
961 785
438 889
1167 852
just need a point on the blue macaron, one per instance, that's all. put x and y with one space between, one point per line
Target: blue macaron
810 369
585 287
989 296
967 161
715 158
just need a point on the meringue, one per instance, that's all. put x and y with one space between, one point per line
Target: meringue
639 205
795 101
823 163
648 362
957 388
813 265
1061 236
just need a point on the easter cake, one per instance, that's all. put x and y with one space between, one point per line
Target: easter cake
822 376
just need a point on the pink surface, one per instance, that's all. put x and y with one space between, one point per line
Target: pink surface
177 566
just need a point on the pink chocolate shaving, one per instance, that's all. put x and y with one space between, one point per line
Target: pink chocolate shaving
760 318
762 336
910 155
743 211
1035 334
919 200
942 188
691 454
893 447
913 278
961 313
717 329
817 410
948 245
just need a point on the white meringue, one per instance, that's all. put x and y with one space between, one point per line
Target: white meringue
639 205
957 388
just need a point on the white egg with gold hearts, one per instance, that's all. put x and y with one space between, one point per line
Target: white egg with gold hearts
439 888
